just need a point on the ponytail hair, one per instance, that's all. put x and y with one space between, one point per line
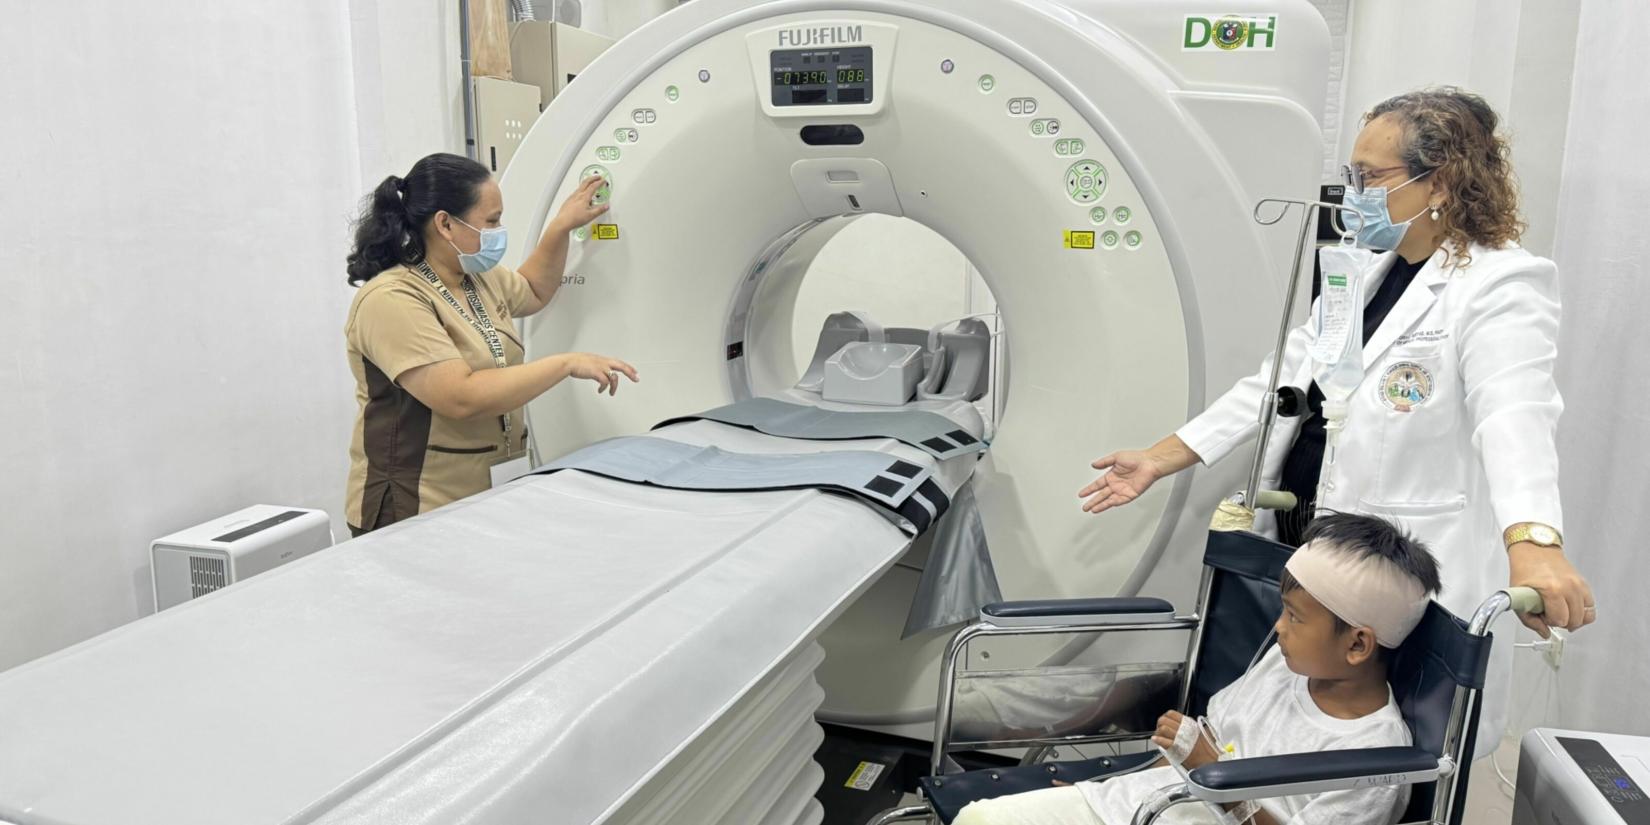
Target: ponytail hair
390 229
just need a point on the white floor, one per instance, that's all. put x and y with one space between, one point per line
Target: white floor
1489 801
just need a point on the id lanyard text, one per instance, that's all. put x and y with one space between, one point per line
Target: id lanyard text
480 321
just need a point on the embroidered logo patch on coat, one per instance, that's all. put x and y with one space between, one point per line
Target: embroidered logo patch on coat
1405 386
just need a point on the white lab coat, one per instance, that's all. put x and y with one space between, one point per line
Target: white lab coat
1469 351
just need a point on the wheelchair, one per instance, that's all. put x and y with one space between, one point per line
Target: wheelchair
1436 677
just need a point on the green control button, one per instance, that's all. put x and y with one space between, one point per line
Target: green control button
987 83
1098 215
1077 146
673 94
1122 214
582 233
605 191
1109 239
1086 181
626 135
1037 128
1062 147
1132 239
607 153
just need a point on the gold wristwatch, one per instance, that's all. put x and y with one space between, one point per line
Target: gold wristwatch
1533 532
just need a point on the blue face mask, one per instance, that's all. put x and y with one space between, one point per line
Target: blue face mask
1376 229
493 243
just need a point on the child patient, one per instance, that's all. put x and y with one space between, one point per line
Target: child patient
1351 594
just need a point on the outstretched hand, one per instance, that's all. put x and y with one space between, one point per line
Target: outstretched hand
603 370
1130 474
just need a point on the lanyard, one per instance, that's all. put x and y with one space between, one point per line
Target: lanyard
480 322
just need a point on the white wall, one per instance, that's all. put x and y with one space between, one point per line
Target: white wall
176 177
1603 256
1604 266
617 18
180 203
408 82
1518 54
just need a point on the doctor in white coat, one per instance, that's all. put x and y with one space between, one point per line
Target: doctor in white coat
1451 432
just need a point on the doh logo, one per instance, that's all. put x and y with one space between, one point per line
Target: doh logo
1230 33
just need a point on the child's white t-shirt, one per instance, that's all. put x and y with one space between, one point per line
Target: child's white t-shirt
1270 713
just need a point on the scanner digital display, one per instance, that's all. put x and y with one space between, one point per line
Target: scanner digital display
821 77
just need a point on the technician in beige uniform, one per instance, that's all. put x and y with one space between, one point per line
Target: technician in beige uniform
439 371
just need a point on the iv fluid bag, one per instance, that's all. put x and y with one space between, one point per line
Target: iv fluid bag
1338 352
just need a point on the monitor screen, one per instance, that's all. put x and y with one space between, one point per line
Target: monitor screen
821 77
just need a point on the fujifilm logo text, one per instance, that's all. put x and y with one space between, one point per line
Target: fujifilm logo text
821 36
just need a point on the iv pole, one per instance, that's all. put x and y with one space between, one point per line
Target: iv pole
1253 497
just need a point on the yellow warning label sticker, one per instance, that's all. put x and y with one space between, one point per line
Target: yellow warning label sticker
610 232
1079 239
865 776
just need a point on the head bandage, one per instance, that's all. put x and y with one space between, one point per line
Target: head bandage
1367 591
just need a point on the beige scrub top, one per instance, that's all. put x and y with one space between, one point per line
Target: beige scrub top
404 458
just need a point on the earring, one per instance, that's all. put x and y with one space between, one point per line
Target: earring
1435 213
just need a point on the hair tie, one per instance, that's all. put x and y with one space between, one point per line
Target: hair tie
401 186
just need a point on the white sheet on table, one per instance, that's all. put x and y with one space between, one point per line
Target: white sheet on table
541 647
544 646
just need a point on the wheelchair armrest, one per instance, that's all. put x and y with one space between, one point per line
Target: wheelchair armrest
1311 773
1076 612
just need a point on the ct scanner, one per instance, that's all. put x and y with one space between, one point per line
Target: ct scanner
982 121
572 648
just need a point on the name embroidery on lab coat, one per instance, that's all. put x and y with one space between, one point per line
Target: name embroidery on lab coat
1405 386
1424 336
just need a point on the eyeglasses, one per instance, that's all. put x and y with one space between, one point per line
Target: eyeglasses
1355 176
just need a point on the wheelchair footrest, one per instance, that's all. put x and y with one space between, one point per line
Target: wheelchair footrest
949 794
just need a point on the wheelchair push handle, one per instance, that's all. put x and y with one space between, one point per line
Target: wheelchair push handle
1524 600
1274 500
1511 599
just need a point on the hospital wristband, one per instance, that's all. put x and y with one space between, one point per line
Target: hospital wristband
1239 813
1185 739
